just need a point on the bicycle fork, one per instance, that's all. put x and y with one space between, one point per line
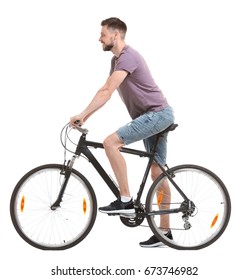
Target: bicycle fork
66 171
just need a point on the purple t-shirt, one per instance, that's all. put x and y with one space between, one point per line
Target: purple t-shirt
138 91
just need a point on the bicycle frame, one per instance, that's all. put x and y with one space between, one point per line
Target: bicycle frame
83 148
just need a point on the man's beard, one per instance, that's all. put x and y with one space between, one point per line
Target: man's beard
108 47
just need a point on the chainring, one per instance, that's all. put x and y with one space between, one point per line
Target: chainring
136 221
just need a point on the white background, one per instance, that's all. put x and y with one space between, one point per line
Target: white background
51 65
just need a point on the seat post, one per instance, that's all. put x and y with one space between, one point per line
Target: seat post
172 127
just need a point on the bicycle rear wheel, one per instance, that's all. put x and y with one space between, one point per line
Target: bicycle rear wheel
209 215
37 223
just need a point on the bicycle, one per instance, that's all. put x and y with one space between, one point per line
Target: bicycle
54 207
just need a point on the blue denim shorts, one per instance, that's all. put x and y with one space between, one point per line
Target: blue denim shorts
145 128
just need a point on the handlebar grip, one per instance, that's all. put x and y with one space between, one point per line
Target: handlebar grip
77 123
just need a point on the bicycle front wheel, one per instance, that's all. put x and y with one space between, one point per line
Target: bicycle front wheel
210 209
43 227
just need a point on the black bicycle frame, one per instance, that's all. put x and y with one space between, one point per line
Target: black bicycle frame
83 145
83 148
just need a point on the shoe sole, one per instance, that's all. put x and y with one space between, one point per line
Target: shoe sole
159 244
120 212
130 215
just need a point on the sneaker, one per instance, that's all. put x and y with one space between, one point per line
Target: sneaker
118 207
154 241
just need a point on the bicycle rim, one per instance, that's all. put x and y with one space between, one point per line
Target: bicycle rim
210 214
50 229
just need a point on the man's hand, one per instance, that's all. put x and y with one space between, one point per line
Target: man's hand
77 120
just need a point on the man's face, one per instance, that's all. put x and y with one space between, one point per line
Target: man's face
107 38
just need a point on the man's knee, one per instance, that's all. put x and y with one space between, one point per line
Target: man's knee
107 142
112 142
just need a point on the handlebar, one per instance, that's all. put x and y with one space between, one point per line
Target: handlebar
78 127
64 136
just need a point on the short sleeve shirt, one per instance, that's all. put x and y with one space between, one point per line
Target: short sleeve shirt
138 91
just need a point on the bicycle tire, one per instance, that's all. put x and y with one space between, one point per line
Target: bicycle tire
210 216
37 223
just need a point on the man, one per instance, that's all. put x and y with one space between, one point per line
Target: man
147 106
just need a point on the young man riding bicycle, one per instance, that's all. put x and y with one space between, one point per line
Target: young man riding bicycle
147 106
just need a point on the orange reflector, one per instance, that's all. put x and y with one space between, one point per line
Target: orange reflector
84 206
160 197
214 220
22 203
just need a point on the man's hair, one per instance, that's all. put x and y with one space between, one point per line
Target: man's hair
115 23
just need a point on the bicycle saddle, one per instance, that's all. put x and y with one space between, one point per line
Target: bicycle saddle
169 128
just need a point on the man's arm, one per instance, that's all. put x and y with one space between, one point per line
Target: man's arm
101 97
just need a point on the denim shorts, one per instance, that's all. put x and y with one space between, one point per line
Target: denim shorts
145 128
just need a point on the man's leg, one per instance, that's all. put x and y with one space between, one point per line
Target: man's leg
124 204
164 195
112 144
